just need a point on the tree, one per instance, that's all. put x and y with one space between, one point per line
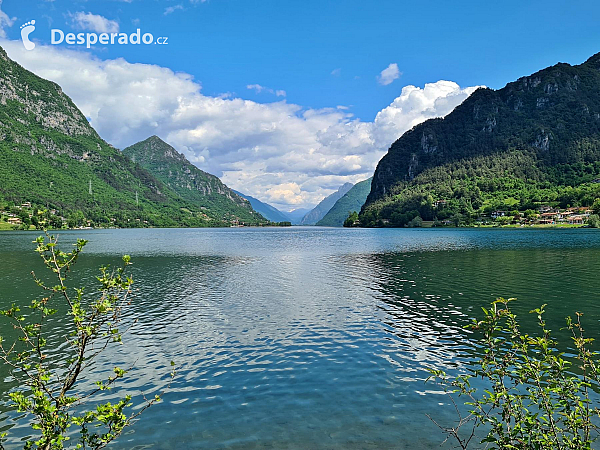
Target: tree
535 398
594 221
47 387
504 220
351 219
415 222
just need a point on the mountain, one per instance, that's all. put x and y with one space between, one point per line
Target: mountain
264 209
296 215
195 186
326 204
51 157
535 141
353 200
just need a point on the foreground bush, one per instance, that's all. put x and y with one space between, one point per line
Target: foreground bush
535 398
55 395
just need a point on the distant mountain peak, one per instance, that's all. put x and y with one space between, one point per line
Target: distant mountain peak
351 201
190 182
156 148
316 214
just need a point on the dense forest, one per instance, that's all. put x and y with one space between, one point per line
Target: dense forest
350 202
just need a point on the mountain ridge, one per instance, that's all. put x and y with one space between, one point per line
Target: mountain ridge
52 157
319 211
269 212
351 201
191 183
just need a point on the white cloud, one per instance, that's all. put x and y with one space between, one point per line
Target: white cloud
258 89
389 74
5 21
336 72
415 105
94 22
278 152
172 9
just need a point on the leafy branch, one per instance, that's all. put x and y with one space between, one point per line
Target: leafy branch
535 399
50 392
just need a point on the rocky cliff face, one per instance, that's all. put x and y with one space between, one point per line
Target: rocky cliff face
42 102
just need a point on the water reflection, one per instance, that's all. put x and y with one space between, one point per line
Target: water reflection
313 338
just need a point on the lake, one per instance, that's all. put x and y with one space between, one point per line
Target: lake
308 337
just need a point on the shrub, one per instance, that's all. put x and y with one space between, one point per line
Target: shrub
51 392
533 400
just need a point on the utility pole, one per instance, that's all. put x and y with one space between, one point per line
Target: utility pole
137 200
90 187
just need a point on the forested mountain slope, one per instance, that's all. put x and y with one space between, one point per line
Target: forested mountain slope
319 211
203 190
51 157
537 140
353 200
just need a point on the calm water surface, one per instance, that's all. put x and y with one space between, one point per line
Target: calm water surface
311 338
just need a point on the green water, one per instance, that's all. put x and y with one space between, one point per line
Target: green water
317 338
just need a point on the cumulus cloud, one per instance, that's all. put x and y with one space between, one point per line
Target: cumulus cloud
5 21
279 152
258 89
389 74
94 22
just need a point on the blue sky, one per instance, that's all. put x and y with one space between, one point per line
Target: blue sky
323 54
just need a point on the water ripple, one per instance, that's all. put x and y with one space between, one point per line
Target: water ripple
311 337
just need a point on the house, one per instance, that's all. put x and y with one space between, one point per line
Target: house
26 205
548 218
440 204
497 214
547 209
576 219
14 221
564 216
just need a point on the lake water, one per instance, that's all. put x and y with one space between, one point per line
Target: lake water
311 338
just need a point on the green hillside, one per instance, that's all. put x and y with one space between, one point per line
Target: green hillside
51 156
319 211
353 200
203 190
535 141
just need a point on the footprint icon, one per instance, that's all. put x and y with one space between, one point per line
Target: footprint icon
26 30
